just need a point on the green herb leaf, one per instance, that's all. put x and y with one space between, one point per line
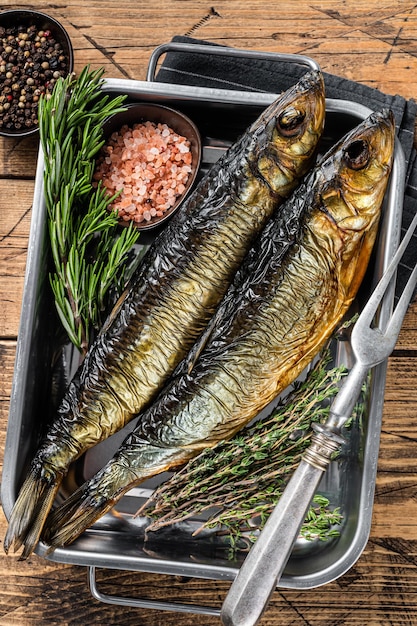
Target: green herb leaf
88 250
238 482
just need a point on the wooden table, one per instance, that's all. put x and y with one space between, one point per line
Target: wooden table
371 42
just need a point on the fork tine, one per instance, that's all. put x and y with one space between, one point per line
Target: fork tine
369 310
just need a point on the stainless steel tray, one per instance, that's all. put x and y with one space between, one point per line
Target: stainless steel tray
117 541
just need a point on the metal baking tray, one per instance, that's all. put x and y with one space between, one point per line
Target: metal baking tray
117 540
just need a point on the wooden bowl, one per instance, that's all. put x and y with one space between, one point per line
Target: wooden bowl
23 19
137 113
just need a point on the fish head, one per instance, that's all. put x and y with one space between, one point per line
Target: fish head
286 136
356 174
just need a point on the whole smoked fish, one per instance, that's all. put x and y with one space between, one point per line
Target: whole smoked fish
174 293
293 291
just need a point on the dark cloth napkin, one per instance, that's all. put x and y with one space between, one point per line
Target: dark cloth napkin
274 76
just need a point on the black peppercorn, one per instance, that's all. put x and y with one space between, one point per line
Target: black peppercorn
31 60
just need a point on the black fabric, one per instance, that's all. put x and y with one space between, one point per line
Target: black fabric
249 74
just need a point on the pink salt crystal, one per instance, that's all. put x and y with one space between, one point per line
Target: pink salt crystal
153 160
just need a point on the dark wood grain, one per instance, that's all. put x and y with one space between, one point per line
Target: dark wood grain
371 42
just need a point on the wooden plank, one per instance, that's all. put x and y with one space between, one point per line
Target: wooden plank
408 334
365 591
372 42
18 157
15 213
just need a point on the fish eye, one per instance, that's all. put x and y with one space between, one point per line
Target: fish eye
289 122
356 155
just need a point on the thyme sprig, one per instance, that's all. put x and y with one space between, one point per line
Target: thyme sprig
89 251
238 482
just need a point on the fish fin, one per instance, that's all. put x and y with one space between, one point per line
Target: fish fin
100 493
29 513
86 505
57 518
74 521
198 347
114 311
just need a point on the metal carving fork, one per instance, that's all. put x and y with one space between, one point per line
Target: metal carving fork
263 567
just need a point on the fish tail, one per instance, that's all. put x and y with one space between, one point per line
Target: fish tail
30 511
87 504
129 467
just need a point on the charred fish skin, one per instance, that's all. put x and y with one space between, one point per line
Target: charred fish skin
192 263
187 271
294 296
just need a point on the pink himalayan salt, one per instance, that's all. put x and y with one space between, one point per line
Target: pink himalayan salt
150 163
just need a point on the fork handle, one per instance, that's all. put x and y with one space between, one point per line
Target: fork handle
259 574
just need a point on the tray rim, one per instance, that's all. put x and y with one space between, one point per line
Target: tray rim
73 555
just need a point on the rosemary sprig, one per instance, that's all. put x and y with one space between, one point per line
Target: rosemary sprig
89 252
238 482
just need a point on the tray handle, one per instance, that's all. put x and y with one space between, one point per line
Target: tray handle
145 603
225 51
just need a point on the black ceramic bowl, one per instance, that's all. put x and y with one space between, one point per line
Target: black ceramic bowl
138 113
23 74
